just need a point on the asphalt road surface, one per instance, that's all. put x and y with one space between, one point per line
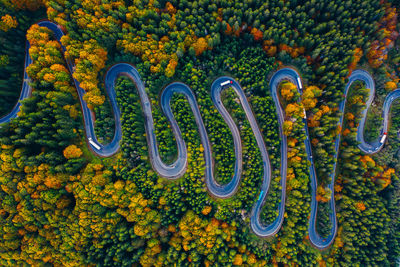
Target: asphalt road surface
178 168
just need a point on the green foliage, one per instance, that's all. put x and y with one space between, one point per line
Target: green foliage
12 43
56 210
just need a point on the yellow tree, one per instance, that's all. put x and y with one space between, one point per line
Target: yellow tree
72 152
390 86
287 127
288 89
309 97
7 22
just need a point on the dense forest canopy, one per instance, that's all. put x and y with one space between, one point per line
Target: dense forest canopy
61 204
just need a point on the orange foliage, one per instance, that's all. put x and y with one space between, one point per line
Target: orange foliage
323 194
52 182
390 86
349 116
206 210
338 188
292 142
171 228
379 49
200 46
360 206
27 4
292 51
228 30
314 142
238 261
204 236
72 152
96 19
269 48
47 61
7 22
257 34
321 263
170 8
358 53
346 132
384 178
367 161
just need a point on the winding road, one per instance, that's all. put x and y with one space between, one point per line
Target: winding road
178 168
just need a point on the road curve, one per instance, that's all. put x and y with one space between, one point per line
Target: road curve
25 92
318 241
178 168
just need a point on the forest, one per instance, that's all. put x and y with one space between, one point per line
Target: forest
62 205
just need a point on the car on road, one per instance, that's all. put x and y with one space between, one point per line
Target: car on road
383 138
93 143
226 83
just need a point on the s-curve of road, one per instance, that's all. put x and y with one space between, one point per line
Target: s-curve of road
178 168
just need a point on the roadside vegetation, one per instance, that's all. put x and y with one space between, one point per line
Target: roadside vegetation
78 210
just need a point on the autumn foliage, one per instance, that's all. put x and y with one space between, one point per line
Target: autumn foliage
7 22
360 206
72 152
31 5
288 90
390 86
358 53
287 127
270 48
309 97
388 34
88 53
257 34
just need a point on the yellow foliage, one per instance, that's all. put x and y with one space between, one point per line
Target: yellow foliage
238 261
288 89
287 127
7 22
293 109
58 68
83 54
119 185
162 201
252 259
99 180
200 46
390 86
309 97
72 152
73 112
384 178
